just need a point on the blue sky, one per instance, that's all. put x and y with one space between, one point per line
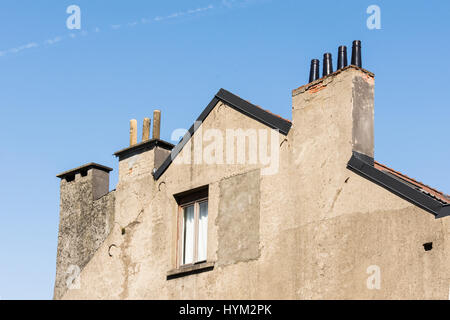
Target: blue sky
67 101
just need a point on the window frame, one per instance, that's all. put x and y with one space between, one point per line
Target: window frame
180 231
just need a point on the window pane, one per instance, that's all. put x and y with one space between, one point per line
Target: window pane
188 235
202 230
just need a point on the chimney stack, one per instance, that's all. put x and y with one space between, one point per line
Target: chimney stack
84 223
146 129
327 64
342 57
356 54
133 132
156 124
314 71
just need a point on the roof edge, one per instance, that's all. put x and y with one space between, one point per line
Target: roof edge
149 144
399 188
307 86
88 166
265 117
255 112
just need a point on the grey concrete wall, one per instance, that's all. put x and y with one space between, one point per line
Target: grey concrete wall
238 218
160 155
86 218
363 115
318 228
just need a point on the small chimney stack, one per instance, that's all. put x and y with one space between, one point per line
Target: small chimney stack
133 132
156 124
327 64
356 54
314 71
146 129
342 57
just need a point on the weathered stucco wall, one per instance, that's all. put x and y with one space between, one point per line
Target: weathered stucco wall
238 219
310 231
86 218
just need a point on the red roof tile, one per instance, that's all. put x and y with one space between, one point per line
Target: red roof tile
423 187
274 114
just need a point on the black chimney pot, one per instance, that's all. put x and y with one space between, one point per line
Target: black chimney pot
342 57
314 71
327 64
356 54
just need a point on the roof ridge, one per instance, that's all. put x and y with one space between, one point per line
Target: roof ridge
274 114
246 108
266 110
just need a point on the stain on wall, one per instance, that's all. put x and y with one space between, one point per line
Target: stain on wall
238 218
363 116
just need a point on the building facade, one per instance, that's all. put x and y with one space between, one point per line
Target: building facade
253 206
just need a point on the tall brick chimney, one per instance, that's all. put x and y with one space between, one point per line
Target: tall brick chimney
333 117
338 108
137 164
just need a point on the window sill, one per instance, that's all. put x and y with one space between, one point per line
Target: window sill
191 269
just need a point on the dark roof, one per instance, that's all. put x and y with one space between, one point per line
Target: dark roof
444 198
255 112
143 146
427 198
83 168
269 119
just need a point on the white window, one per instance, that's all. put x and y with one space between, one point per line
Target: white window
193 235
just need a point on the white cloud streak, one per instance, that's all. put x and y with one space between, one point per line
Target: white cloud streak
18 49
177 14
52 41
